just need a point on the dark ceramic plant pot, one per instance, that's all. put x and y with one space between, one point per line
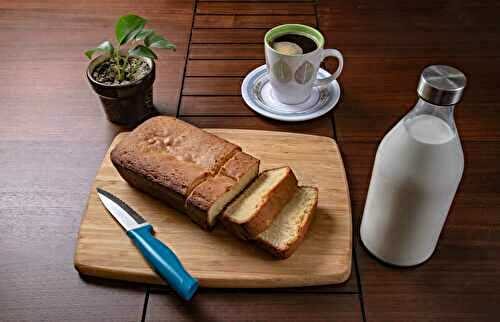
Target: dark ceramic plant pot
128 104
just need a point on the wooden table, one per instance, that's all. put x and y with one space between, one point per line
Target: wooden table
53 135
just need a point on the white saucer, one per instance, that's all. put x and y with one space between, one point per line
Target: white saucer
257 93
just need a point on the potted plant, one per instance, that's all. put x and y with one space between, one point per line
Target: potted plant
124 73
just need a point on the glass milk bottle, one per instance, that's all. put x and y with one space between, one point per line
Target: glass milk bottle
417 169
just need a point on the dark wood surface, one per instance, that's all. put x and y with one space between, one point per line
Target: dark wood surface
53 135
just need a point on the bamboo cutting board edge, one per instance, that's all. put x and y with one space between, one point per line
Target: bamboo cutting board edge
90 263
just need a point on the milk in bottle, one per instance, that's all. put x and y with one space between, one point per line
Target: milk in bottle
417 169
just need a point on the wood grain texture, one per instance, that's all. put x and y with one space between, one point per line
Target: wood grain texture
214 105
227 51
348 287
42 196
391 15
320 126
218 259
243 21
228 36
384 63
259 1
212 86
388 91
261 8
241 306
221 67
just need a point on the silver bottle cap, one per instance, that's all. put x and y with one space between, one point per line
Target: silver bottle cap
441 85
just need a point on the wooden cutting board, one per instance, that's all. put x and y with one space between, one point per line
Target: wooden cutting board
218 259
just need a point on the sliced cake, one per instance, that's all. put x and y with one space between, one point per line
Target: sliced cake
211 196
290 226
253 211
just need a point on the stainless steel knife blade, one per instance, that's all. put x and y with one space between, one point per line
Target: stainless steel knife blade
126 216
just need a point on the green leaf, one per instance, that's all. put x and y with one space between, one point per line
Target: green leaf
143 51
131 36
143 34
128 27
157 41
105 47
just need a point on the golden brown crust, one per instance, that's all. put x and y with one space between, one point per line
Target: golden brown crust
264 216
204 195
165 170
199 217
238 165
294 244
152 188
173 153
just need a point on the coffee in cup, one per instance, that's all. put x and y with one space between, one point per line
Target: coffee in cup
294 53
293 44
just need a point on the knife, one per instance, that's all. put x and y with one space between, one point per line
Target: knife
162 259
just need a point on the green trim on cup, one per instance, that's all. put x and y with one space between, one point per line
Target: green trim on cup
297 29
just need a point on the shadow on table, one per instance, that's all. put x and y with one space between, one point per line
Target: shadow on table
97 281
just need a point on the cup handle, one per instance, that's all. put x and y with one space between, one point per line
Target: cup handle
331 53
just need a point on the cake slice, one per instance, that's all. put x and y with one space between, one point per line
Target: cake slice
290 226
209 198
253 211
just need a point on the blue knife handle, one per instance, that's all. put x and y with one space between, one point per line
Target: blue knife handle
164 261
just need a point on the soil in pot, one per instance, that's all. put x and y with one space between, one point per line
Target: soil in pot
107 72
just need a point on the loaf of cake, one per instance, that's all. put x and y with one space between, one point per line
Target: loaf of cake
254 210
192 170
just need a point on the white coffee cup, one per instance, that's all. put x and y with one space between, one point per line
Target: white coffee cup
294 76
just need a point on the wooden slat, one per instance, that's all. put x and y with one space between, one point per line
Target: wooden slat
390 16
459 283
265 8
42 196
212 86
216 105
244 306
319 126
227 51
200 1
385 90
228 36
235 21
221 67
156 9
467 44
